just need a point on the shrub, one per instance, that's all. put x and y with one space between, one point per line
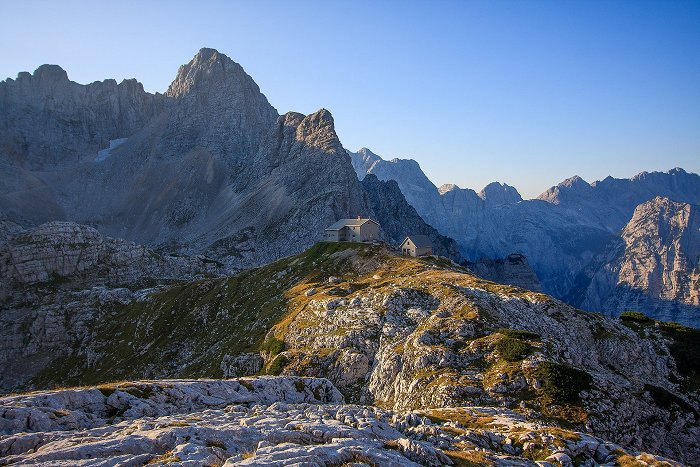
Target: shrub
513 350
272 345
634 316
666 399
277 365
562 383
518 334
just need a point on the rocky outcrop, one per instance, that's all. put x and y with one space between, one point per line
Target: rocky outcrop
655 269
512 270
65 251
270 422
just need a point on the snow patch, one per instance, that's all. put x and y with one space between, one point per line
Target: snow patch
104 153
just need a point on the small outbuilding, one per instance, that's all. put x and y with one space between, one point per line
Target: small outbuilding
417 245
352 230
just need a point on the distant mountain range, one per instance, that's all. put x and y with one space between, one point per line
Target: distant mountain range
573 233
210 168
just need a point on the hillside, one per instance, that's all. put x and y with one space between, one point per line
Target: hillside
405 334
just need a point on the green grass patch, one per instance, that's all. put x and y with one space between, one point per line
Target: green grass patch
518 334
634 316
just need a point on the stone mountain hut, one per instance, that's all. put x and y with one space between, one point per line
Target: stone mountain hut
417 245
352 230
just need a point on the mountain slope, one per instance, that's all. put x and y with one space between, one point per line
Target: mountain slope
380 326
212 169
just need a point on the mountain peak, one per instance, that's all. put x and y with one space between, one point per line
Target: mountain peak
496 193
574 182
318 129
447 187
209 68
50 73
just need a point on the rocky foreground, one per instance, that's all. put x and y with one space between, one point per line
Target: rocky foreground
273 421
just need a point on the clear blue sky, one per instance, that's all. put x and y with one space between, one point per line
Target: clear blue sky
527 93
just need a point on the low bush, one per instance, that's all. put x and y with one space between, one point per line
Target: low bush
272 345
513 350
562 383
685 350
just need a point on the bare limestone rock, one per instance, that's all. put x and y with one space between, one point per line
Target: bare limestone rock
270 422
655 269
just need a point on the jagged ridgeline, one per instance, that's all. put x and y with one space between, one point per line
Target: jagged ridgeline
403 333
209 167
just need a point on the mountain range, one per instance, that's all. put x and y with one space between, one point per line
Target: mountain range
210 168
570 231
176 235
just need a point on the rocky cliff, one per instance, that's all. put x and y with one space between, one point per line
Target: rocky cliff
381 326
208 168
655 268
49 121
61 278
511 270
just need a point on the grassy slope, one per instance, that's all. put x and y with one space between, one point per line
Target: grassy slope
186 329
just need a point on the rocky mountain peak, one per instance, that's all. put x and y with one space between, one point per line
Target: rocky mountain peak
50 74
318 130
496 193
573 186
209 71
575 182
447 187
365 152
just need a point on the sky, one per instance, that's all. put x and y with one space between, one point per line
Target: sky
522 92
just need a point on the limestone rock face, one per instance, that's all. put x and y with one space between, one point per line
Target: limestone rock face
495 194
59 277
48 121
415 186
399 219
655 269
512 270
68 251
